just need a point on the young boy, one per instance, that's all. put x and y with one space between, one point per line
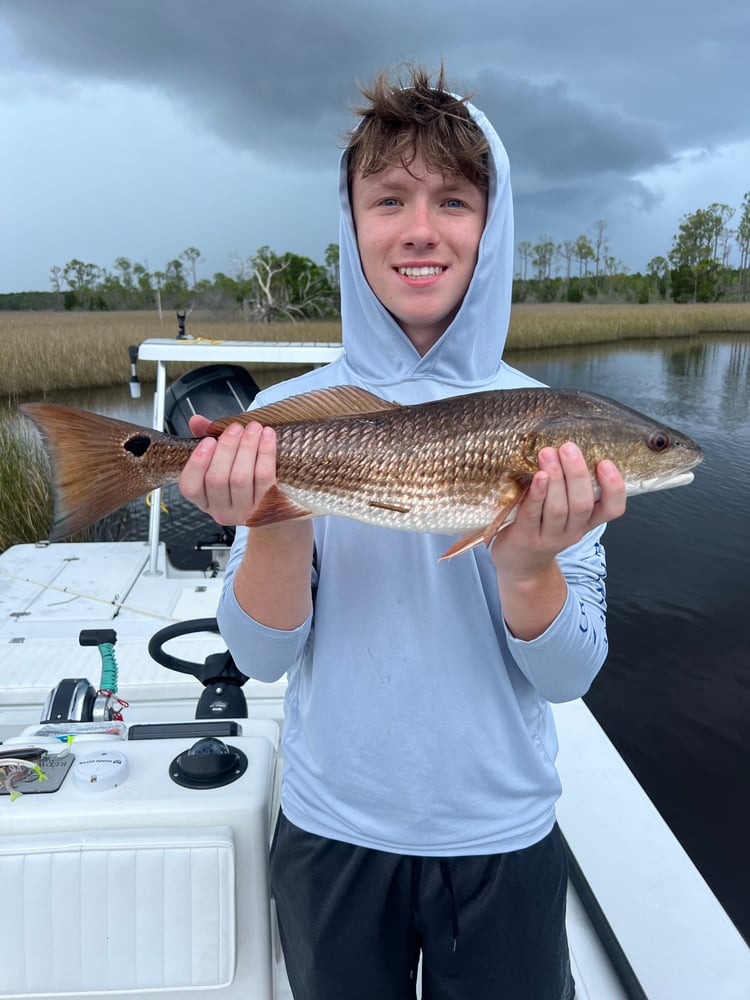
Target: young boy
418 801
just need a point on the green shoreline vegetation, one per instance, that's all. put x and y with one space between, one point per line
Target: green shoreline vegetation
44 352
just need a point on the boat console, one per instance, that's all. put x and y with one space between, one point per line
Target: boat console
134 856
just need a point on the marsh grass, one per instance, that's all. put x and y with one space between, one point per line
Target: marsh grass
26 509
540 326
44 352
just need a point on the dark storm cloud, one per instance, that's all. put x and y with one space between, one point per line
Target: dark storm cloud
589 99
271 79
569 160
551 134
277 77
260 84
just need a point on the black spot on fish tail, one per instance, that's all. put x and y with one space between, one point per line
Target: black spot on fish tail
137 445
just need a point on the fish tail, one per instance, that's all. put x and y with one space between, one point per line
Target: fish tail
98 463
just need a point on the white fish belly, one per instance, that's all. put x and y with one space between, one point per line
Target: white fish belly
448 516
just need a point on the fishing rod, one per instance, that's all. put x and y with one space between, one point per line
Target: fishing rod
120 605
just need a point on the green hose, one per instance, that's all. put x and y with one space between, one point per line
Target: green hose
109 667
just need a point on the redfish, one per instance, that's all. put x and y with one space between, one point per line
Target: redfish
457 466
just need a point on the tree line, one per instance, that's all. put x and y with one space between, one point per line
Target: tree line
268 287
697 268
265 287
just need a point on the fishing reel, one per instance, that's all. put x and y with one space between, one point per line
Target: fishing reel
75 699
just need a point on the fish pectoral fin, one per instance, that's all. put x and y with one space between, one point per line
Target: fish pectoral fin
274 508
512 496
339 401
464 543
389 506
506 515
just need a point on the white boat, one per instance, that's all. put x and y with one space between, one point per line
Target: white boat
118 878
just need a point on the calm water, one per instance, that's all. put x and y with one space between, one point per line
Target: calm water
674 695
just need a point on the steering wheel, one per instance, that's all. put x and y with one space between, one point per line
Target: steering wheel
216 666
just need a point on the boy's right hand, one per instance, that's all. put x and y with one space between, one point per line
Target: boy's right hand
229 476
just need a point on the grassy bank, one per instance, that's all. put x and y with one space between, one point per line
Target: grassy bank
44 352
540 326
26 510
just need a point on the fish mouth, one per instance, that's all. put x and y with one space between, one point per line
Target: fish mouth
666 482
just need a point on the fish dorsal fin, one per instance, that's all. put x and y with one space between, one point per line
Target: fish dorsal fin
339 401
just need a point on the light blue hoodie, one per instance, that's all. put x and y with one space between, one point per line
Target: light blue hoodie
414 722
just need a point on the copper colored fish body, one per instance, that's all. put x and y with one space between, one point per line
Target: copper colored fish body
459 465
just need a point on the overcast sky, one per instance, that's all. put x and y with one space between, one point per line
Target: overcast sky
138 128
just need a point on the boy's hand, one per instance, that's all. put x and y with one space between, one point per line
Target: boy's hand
229 476
558 511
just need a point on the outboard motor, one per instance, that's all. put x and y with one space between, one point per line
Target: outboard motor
214 391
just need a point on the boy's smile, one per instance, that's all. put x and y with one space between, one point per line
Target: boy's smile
418 234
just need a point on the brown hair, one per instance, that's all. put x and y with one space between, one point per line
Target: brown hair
402 121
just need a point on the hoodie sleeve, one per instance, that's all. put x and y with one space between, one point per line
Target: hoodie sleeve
258 651
564 660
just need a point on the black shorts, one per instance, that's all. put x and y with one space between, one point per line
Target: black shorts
354 921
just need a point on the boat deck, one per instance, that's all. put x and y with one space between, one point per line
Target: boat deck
676 936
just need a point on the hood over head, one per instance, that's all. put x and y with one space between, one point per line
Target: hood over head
469 351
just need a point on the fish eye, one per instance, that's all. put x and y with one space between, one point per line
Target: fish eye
658 441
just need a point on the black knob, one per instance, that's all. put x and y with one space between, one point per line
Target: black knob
209 763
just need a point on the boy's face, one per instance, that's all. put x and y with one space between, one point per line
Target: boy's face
418 234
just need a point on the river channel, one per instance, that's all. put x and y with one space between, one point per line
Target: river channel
674 695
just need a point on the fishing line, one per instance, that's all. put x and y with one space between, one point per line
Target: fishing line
120 605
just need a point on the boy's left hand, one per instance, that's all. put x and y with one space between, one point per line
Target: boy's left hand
558 511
